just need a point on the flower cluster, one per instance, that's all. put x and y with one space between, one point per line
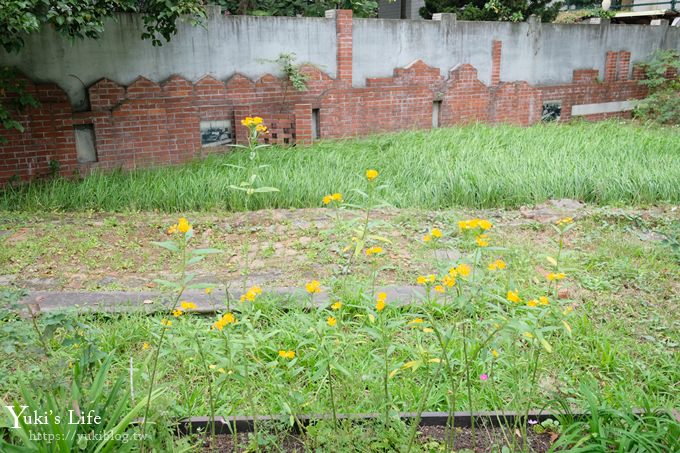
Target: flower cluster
472 224
251 294
374 251
555 276
381 301
224 321
253 121
184 306
328 199
313 287
286 354
436 233
497 265
425 279
182 226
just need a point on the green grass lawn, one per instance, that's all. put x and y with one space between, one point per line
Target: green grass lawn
608 163
621 342
602 337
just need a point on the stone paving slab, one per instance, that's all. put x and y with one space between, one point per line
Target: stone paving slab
152 302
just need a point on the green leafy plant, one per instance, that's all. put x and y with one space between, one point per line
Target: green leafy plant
249 186
607 429
68 416
662 79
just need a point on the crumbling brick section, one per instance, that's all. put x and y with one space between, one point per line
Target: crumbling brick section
146 123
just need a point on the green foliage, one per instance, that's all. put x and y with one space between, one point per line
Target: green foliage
286 62
360 8
493 10
78 20
608 429
475 166
15 99
662 105
62 406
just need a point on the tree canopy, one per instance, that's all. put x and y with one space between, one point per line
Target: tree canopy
493 10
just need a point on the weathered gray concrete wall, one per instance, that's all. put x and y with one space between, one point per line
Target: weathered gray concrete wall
533 52
226 45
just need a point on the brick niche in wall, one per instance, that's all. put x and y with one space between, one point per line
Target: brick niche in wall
149 123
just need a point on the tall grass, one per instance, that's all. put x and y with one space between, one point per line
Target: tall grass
473 166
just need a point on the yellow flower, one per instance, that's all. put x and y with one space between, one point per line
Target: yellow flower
497 265
484 224
261 128
247 121
373 251
327 199
336 306
183 225
565 221
208 291
464 270
313 287
439 289
225 320
251 294
381 297
448 281
177 313
336 196
555 276
453 272
482 240
371 174
532 303
286 354
146 346
416 321
188 305
543 300
331 321
474 223
166 322
257 120
513 296
172 229
427 238
494 353
529 335
568 310
436 233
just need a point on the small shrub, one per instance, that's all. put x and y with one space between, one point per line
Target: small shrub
662 105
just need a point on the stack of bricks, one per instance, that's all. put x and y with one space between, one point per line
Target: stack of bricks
147 123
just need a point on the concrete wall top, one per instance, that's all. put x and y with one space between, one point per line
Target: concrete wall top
541 54
224 46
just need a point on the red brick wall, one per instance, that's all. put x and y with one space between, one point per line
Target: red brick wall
47 137
147 123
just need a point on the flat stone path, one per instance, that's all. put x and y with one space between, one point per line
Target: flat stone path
153 302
